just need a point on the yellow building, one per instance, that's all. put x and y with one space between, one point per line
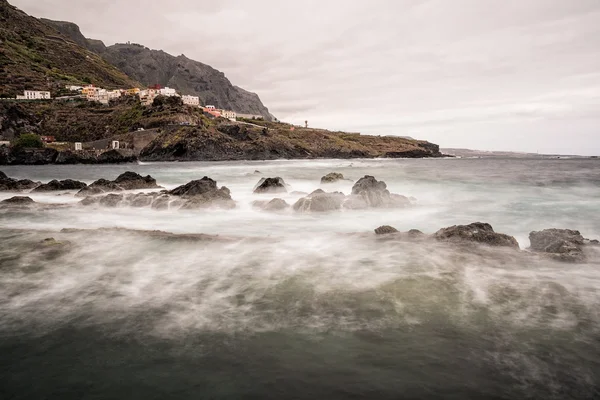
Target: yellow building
132 92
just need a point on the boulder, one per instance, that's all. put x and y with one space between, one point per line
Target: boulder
161 202
133 181
319 201
111 200
385 230
10 184
3 175
67 184
368 192
561 244
273 205
477 232
271 185
415 233
90 191
203 193
18 201
332 177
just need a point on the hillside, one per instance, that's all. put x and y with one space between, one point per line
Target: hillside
34 55
152 67
224 140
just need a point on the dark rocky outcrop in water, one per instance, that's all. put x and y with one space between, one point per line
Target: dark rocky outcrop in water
67 184
368 192
126 181
18 201
320 201
272 205
478 232
385 230
271 185
332 177
560 244
10 184
196 194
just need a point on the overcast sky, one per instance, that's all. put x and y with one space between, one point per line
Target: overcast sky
518 75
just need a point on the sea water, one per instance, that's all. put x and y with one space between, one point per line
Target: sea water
303 306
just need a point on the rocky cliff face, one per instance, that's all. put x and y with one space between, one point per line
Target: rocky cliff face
34 55
151 67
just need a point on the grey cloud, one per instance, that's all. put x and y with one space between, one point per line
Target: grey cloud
512 75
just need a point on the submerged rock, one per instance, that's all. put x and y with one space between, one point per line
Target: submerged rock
3 175
67 184
477 232
368 192
320 201
332 177
18 201
560 244
385 230
273 205
271 185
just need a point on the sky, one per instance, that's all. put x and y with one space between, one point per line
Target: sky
516 75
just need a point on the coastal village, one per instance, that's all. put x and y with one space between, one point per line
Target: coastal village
146 96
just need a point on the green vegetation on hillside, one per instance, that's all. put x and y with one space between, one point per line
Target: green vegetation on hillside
35 56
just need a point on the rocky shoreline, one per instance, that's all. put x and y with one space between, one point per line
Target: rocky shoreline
563 245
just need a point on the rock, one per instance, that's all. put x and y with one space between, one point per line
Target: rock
560 244
10 184
90 191
385 230
296 193
3 175
115 157
368 192
273 205
415 233
319 201
141 200
18 201
477 232
67 184
132 181
271 185
203 193
111 200
161 203
332 177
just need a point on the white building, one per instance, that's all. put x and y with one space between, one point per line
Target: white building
167 92
191 100
74 88
210 107
34 95
147 96
229 114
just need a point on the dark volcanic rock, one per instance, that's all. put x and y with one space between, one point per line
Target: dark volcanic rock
478 232
319 201
9 184
111 200
560 244
3 175
368 192
385 230
67 184
131 181
332 177
203 193
195 188
271 185
18 201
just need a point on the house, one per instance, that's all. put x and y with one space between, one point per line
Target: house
34 95
167 91
132 91
191 100
74 88
229 114
87 89
147 96
206 108
48 139
250 116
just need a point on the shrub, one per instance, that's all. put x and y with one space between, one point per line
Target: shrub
28 140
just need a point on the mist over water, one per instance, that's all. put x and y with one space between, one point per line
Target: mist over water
287 305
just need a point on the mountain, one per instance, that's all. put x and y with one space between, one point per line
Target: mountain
151 67
34 55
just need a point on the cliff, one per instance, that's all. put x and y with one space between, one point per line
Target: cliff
151 67
34 55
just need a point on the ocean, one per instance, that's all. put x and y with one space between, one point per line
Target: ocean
303 306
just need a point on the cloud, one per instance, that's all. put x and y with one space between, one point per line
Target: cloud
457 73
